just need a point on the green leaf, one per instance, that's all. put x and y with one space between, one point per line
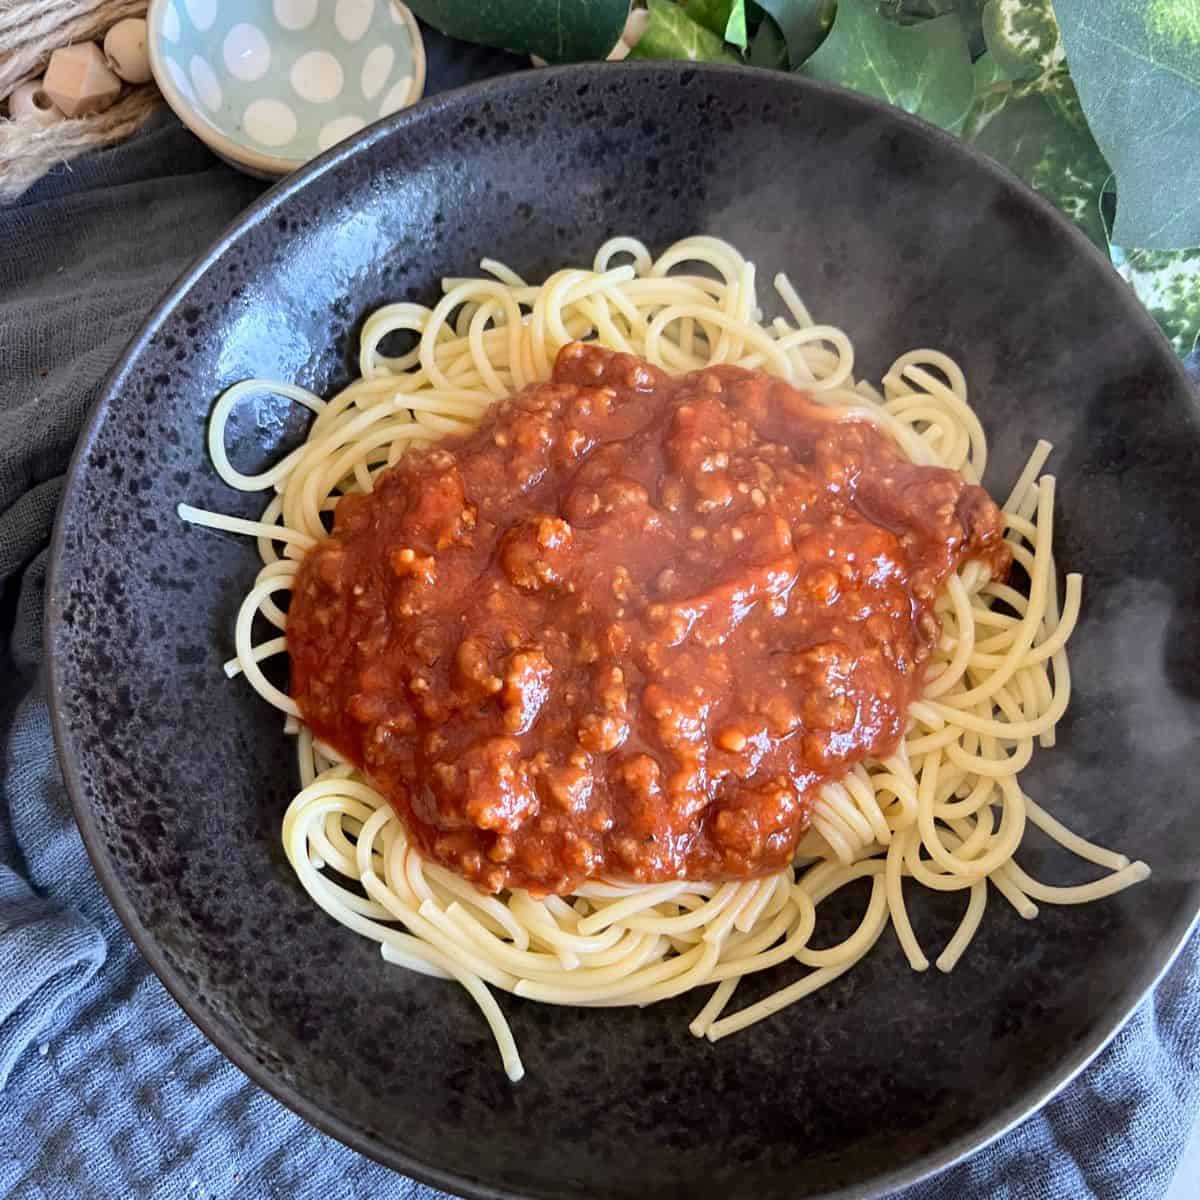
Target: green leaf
552 30
1033 134
923 68
1059 90
1136 64
1168 283
712 14
804 23
993 91
1037 129
726 18
736 32
1022 37
909 12
768 49
988 74
971 12
673 34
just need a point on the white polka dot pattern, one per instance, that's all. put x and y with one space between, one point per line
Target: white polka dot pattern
397 97
352 18
270 122
283 80
376 69
317 76
206 84
202 12
247 52
295 14
180 80
170 24
336 131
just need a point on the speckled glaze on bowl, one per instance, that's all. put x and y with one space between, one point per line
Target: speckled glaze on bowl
180 777
269 84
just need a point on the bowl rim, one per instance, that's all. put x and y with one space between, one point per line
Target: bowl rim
448 1178
258 162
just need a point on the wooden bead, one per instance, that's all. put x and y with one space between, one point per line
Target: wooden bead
125 50
78 80
30 102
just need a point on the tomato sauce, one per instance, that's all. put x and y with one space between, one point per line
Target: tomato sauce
629 625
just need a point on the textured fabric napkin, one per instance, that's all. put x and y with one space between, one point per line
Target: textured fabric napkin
106 1087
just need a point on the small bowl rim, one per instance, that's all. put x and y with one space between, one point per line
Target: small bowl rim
215 138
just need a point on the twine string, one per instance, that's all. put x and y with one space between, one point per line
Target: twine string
30 31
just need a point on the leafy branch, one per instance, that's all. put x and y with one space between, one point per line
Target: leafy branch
1068 94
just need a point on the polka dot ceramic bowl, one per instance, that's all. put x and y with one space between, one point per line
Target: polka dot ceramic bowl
268 84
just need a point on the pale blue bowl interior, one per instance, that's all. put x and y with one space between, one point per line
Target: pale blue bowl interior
289 78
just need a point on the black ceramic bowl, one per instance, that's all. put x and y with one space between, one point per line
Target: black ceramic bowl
180 777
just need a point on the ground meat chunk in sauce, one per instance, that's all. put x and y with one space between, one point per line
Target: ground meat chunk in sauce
629 625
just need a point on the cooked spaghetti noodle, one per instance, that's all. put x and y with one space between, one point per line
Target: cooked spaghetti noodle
945 811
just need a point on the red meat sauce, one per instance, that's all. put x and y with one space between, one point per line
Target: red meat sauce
629 625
